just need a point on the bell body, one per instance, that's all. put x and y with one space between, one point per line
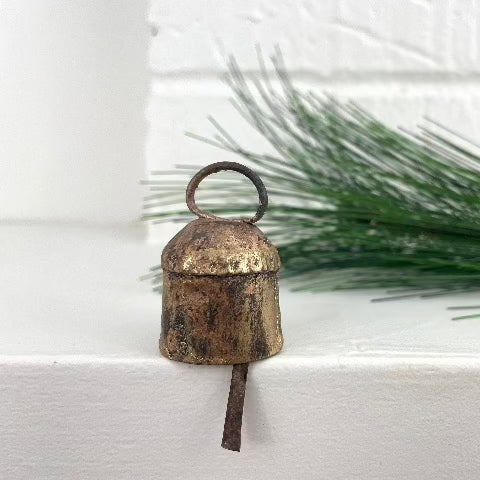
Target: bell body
220 294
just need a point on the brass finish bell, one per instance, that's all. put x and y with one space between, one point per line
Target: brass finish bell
220 294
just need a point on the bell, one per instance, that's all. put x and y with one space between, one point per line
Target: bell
220 294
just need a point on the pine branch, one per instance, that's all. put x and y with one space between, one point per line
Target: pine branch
353 203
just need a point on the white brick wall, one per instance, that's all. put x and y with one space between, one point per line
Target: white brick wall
321 38
401 59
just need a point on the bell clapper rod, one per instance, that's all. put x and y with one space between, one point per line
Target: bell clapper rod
232 430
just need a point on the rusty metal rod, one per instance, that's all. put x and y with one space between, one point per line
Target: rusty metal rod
232 430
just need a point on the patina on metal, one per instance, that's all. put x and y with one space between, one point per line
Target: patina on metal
220 294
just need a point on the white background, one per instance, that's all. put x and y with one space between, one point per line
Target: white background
73 88
361 391
75 81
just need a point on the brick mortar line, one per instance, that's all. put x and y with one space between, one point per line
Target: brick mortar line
441 77
203 88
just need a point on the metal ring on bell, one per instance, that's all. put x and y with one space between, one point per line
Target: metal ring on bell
236 167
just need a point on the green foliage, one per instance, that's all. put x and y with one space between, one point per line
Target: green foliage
353 203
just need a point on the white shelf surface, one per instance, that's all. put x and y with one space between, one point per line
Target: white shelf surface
361 390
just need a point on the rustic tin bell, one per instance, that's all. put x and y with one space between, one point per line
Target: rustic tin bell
220 294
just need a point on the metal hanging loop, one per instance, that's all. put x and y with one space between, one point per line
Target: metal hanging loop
236 167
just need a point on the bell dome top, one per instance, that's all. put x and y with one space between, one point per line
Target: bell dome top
220 247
